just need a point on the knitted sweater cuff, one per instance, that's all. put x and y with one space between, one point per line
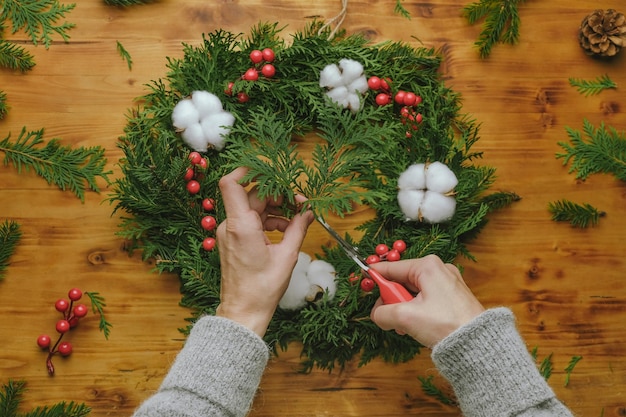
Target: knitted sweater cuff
489 366
220 367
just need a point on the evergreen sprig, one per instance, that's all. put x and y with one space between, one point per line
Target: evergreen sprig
4 107
401 10
501 22
11 395
578 215
10 235
356 159
124 54
73 169
38 19
97 306
591 87
595 150
430 389
15 57
570 368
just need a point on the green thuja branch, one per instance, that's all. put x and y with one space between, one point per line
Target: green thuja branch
15 57
430 389
97 306
73 169
545 368
576 214
10 235
4 108
501 22
592 87
11 395
602 151
125 55
401 10
38 19
570 368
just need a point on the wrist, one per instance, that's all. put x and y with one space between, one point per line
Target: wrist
256 321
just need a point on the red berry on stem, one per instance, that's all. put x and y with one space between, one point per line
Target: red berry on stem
80 310
374 83
229 89
418 99
242 97
399 245
353 277
367 284
381 249
418 118
268 70
203 164
382 99
208 223
208 243
399 97
372 259
189 173
43 341
384 83
61 305
193 187
74 294
410 99
73 322
208 204
393 255
63 326
65 348
251 75
256 56
195 157
268 54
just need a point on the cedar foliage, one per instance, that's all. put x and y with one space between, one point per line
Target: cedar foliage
355 161
11 395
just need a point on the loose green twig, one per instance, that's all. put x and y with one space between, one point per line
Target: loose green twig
432 390
73 169
501 22
10 235
577 215
38 19
592 87
401 10
15 57
4 108
124 54
604 151
570 368
97 306
11 396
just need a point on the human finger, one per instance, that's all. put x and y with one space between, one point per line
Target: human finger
234 196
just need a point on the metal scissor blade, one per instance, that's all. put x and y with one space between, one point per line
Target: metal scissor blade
349 249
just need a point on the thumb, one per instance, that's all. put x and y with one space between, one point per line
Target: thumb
392 316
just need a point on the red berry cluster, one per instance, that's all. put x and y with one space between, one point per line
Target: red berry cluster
262 62
408 101
71 314
192 174
382 253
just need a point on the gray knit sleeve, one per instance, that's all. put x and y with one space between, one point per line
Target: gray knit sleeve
491 371
216 373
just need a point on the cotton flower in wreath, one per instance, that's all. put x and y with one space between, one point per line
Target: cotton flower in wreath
309 280
202 121
345 83
426 192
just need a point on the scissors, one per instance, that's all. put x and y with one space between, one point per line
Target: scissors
391 292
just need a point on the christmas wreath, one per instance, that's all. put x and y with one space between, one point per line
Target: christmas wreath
384 134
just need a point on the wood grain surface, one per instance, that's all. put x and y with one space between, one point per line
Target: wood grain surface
565 285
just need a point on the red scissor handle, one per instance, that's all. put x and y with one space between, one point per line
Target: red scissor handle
391 292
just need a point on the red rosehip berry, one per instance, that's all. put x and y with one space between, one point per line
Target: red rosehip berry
268 54
399 245
410 99
63 326
384 83
256 56
418 99
393 255
229 89
381 249
189 174
195 157
74 294
374 83
61 305
203 164
73 322
208 204
80 310
208 223
399 97
418 118
43 341
193 187
242 97
382 99
372 259
65 348
251 75
268 70
208 243
353 277
367 284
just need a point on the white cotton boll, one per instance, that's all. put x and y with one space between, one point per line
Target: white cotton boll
322 274
350 70
354 102
185 114
206 103
360 85
414 178
194 137
440 178
339 95
299 285
437 208
410 202
216 127
330 76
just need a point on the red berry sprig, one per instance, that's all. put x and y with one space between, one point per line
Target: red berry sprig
71 315
408 101
262 63
382 252
192 174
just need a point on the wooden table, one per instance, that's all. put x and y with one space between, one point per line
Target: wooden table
566 285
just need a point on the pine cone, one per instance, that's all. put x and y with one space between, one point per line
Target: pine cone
603 33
